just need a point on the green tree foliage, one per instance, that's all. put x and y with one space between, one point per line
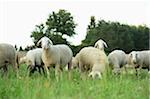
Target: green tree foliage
30 47
20 48
16 47
62 22
141 37
117 36
57 26
38 33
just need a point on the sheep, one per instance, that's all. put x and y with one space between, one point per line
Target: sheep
33 59
93 60
140 59
7 56
100 44
20 54
75 62
117 59
59 55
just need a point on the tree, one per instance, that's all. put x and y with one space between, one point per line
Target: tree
20 48
141 38
16 47
92 24
117 36
57 26
90 29
38 33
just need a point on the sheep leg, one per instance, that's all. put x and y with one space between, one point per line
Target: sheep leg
116 69
137 69
47 71
125 67
69 68
39 69
30 70
5 70
81 69
43 70
57 71
15 68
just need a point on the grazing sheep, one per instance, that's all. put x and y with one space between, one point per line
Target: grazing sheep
20 54
100 44
75 61
7 56
93 59
140 59
59 55
33 59
117 59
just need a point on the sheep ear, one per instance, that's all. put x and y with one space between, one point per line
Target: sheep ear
96 45
38 43
50 42
105 44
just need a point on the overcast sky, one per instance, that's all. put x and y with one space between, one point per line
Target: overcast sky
19 17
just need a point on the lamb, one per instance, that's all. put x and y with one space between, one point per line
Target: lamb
33 59
20 54
75 61
117 59
140 59
100 44
7 56
92 59
60 55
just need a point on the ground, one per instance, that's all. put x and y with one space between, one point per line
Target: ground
125 86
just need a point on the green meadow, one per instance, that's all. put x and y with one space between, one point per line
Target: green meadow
124 86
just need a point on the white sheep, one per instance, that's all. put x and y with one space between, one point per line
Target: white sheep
60 55
19 55
75 61
117 59
33 59
7 56
140 59
93 59
100 44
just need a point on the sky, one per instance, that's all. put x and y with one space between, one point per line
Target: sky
19 17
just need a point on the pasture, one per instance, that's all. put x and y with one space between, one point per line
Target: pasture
125 86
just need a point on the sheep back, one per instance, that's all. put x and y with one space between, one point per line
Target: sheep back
117 59
143 58
57 54
34 57
93 57
7 54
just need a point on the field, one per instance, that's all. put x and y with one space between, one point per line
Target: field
125 86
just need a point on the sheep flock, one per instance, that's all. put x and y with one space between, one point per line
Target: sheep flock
91 60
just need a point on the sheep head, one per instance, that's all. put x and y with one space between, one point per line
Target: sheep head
45 42
22 60
133 56
100 44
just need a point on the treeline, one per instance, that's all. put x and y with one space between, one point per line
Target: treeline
60 25
117 35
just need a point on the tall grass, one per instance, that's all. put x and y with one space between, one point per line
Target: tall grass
125 86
